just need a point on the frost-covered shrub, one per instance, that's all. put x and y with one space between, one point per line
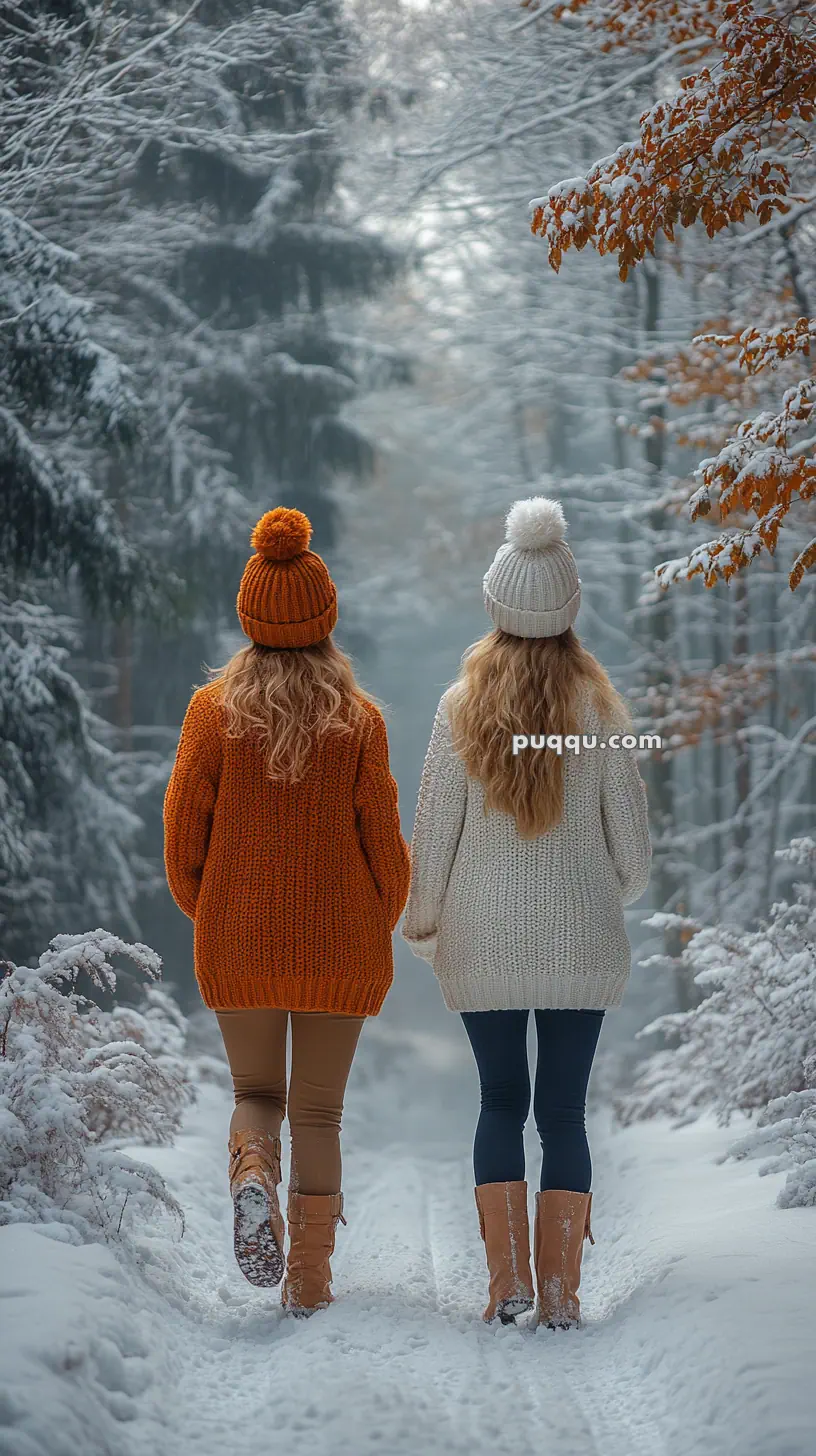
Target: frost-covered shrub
787 1130
158 1026
750 1045
77 1083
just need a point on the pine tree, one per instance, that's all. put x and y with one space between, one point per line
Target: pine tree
221 267
65 402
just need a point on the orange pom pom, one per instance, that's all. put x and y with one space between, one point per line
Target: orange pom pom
282 534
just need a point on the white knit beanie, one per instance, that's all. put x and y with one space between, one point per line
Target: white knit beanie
532 588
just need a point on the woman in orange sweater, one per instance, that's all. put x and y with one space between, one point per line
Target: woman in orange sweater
283 845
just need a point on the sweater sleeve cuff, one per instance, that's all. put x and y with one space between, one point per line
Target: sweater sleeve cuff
422 946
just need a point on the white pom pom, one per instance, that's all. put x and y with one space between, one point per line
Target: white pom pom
535 524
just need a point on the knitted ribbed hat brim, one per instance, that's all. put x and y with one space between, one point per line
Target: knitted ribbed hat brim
527 623
290 634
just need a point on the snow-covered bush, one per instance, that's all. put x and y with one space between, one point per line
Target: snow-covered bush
787 1130
77 1083
158 1026
750 1045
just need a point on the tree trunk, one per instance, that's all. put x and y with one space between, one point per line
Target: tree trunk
659 655
718 778
742 761
122 631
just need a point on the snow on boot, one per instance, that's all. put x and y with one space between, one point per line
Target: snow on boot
505 1227
258 1227
313 1220
561 1225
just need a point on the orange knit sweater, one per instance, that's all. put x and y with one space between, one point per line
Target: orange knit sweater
294 889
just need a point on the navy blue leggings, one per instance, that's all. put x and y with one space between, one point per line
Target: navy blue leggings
566 1047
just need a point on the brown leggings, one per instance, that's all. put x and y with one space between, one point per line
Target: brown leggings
323 1047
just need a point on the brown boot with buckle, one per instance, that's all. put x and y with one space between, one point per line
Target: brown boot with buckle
258 1227
561 1226
505 1227
313 1220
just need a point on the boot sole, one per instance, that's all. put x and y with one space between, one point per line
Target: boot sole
258 1254
558 1324
508 1311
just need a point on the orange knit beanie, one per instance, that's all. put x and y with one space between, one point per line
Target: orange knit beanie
286 598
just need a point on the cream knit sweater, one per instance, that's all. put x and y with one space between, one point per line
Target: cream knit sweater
509 923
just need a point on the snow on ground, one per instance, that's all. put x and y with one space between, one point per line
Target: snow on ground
699 1297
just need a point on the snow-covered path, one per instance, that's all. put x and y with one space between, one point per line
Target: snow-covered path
402 1362
698 1296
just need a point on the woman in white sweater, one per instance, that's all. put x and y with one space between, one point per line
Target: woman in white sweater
522 860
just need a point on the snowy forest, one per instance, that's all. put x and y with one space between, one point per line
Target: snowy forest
398 264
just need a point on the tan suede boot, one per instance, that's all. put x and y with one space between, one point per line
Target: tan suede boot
313 1220
561 1225
505 1227
258 1227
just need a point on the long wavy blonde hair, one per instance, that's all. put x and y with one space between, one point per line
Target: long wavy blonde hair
289 699
513 685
